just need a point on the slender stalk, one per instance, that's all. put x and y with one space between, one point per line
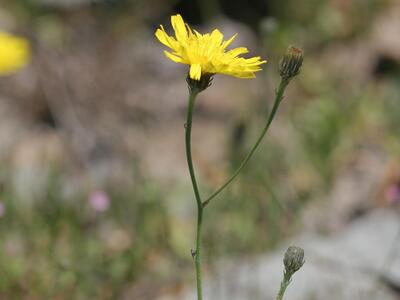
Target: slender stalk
192 97
278 98
197 261
284 284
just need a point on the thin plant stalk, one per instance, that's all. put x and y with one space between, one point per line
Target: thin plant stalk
284 284
188 134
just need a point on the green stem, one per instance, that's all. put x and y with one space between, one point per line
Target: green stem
197 261
278 98
284 284
192 97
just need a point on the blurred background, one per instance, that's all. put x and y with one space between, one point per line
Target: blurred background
95 198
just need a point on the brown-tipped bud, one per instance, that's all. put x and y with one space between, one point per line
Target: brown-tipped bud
290 63
197 86
293 260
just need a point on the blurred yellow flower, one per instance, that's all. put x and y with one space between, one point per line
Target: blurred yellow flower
14 53
205 53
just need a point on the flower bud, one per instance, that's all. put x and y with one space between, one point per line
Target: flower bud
293 260
290 63
197 86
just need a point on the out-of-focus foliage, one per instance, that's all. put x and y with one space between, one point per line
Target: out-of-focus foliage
57 249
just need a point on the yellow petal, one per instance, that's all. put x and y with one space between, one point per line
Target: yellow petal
198 34
163 37
195 71
228 42
189 30
179 27
217 37
173 57
237 51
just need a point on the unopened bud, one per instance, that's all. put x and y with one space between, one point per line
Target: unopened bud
290 63
293 260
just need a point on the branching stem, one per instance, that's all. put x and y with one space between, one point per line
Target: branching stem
278 98
201 205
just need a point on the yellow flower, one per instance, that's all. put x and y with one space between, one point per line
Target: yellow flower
14 53
205 53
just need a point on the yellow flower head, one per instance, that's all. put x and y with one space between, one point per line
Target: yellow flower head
14 53
205 53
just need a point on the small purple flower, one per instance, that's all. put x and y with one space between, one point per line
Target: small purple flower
393 193
99 201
